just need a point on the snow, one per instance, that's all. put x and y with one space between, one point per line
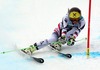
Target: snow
24 22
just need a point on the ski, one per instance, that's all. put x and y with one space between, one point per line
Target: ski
60 42
39 60
60 53
65 55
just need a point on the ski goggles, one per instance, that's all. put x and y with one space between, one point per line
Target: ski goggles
74 16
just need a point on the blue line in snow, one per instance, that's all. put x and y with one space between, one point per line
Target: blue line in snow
82 54
92 54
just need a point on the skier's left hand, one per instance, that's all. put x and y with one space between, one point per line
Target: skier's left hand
62 39
71 41
63 36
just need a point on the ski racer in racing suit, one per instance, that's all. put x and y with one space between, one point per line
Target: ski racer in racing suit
68 30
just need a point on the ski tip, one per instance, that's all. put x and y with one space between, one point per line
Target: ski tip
40 60
66 55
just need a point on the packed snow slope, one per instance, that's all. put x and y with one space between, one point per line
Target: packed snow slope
24 22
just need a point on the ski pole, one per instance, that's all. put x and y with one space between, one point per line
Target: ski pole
81 39
4 52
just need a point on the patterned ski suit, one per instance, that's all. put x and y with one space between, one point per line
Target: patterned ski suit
66 27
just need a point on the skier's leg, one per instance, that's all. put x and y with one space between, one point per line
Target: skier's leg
52 40
54 37
36 46
41 44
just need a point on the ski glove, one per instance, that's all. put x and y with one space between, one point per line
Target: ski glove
71 41
63 39
63 36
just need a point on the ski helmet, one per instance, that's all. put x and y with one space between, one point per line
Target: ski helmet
74 14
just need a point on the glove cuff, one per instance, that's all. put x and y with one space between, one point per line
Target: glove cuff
74 36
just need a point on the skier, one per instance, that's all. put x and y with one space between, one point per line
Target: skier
67 31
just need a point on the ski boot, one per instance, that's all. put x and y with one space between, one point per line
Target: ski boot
56 46
30 49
